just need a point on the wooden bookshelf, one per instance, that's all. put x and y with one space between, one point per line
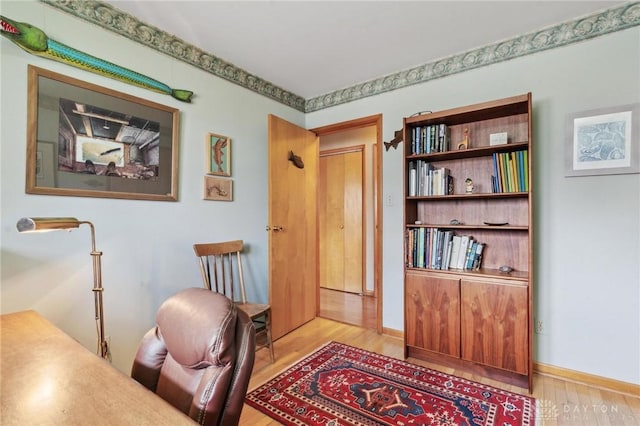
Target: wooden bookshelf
473 318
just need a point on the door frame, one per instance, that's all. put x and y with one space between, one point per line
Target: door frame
372 120
350 149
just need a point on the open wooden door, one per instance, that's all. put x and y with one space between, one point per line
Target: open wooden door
292 227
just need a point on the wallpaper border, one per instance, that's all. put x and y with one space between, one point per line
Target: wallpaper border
597 24
590 26
111 18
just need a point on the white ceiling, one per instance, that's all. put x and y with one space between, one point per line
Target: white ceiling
312 48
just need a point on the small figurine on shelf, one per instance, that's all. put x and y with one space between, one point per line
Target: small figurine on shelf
506 269
465 142
468 183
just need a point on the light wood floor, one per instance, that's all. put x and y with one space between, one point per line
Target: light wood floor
560 402
349 308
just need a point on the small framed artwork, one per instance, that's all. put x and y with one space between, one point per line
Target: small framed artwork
603 142
218 189
218 155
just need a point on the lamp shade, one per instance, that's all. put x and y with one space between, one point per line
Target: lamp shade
35 224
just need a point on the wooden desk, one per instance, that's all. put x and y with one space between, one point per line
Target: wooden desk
48 378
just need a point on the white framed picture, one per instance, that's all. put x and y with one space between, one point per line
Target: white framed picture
603 141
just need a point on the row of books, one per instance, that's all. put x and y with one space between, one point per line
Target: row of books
428 139
510 171
434 248
425 180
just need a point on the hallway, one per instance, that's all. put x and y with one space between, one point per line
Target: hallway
348 308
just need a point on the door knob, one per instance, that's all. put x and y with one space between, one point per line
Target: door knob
275 228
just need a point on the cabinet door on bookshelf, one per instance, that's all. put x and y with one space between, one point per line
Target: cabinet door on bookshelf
495 325
433 313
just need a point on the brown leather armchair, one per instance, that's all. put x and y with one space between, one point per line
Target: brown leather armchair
199 356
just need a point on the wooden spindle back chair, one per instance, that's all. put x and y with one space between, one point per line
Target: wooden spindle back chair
221 268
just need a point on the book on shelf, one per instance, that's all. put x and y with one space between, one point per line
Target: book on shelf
455 250
462 252
437 248
408 241
510 171
444 136
507 171
477 259
444 182
495 178
516 171
468 258
503 172
450 185
413 179
468 261
448 241
525 161
421 238
430 139
425 180
433 247
474 256
524 185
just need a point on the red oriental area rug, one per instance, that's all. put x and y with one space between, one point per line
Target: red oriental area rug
342 385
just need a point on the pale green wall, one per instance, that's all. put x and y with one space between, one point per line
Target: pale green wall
147 245
587 228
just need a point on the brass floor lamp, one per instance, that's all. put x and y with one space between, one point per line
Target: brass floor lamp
42 224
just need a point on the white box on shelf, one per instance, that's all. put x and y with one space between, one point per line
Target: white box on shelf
498 138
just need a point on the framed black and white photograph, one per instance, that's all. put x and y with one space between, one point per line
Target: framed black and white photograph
108 144
603 141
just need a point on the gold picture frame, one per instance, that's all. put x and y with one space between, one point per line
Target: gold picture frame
218 155
108 144
218 189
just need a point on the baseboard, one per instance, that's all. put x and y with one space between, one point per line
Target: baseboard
587 379
563 373
393 333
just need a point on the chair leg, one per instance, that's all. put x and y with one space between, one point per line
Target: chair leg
269 340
